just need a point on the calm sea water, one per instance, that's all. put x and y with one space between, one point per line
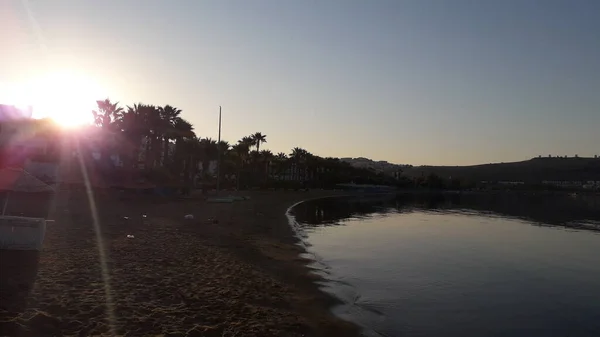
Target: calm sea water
459 265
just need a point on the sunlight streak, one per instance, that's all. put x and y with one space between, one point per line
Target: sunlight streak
35 27
101 251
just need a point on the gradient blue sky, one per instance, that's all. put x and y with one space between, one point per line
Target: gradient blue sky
447 82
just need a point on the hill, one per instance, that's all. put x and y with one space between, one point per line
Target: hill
531 171
378 166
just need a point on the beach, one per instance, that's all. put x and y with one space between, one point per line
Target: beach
232 270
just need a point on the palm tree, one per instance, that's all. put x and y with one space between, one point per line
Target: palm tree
106 118
247 141
169 115
107 115
142 124
192 148
182 130
279 163
156 127
242 146
313 166
258 138
254 156
297 153
298 157
240 153
311 163
254 160
210 151
267 158
133 124
223 147
150 130
302 160
267 154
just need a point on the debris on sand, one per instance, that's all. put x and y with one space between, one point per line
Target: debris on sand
237 273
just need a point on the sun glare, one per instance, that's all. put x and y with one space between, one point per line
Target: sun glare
66 97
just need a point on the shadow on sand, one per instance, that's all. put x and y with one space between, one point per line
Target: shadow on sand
18 270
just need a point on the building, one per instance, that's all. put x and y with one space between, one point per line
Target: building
393 170
21 139
11 112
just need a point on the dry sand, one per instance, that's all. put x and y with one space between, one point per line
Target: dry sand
237 276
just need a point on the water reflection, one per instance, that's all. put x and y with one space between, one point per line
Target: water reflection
459 264
329 211
540 209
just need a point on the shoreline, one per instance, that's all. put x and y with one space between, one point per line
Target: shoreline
335 301
235 269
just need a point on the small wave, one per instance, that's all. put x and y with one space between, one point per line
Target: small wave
350 308
584 224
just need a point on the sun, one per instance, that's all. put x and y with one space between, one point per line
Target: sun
64 96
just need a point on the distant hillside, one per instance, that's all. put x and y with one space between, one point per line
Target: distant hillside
530 171
379 166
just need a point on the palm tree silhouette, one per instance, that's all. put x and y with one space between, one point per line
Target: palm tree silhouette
170 117
107 114
259 138
106 118
146 133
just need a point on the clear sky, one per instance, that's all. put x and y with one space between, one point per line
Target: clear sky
446 82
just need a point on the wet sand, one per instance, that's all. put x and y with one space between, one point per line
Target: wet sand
232 271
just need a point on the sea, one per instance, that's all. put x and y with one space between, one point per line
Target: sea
465 264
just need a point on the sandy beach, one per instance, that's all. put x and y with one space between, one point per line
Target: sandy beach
233 270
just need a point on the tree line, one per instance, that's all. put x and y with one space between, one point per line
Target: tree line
157 143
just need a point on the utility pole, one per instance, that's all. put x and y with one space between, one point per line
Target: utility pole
219 154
